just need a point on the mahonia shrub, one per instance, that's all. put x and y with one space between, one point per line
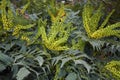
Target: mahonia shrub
47 41
91 22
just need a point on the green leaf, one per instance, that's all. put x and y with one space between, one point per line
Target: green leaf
65 60
62 73
6 59
86 65
14 70
2 66
22 73
71 76
55 60
7 46
40 60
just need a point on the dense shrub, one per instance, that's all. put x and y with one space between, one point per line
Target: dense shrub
49 40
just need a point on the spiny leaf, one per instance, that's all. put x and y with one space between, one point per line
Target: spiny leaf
86 65
71 76
6 59
22 73
40 60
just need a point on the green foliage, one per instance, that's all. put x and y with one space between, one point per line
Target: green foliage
109 5
79 45
23 72
55 46
26 61
5 61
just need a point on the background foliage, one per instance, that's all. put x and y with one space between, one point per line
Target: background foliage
49 40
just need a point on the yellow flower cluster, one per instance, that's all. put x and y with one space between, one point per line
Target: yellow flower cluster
106 32
91 20
17 31
86 18
57 36
114 68
58 14
7 23
25 38
7 16
24 8
101 33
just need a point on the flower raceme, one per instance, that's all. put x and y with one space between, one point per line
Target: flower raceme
113 67
7 15
91 21
57 36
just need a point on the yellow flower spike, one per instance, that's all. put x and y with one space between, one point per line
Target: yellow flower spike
56 13
91 20
58 35
5 22
10 18
51 15
25 38
106 32
113 67
19 32
24 8
7 16
61 12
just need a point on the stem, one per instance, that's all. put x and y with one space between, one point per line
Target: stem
57 72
